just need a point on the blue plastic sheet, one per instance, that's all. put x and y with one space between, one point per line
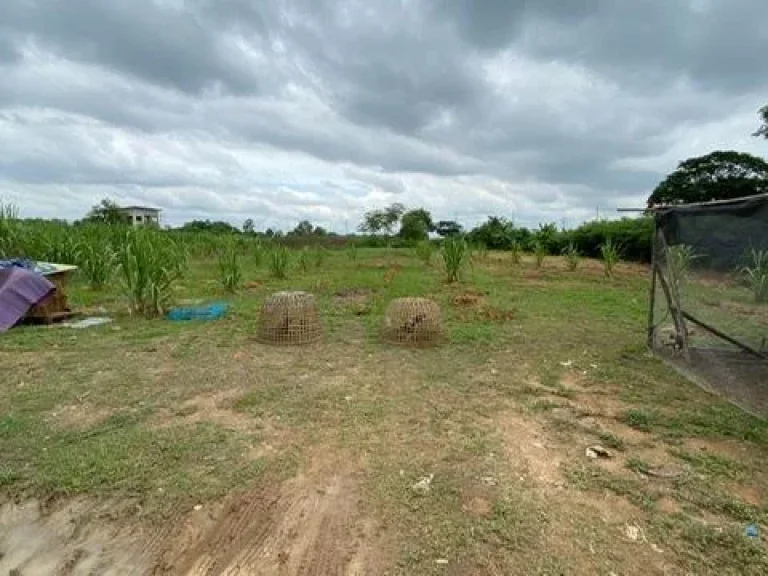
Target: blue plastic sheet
212 311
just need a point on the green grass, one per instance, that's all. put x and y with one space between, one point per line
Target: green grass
172 413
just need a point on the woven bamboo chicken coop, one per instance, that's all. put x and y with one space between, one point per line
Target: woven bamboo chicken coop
289 318
413 321
708 315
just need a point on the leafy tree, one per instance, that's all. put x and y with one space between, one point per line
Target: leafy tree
248 226
495 233
416 225
303 228
382 221
217 227
763 130
106 212
448 228
716 176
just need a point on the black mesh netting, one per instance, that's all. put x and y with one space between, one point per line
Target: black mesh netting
710 297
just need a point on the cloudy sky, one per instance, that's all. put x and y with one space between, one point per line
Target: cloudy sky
280 110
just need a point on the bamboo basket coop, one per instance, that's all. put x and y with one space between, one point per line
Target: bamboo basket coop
413 322
708 315
289 319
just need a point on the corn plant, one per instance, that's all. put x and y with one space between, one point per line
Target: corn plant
257 253
540 252
303 260
454 253
9 230
318 257
279 258
95 256
352 252
424 251
572 256
230 269
516 253
756 274
149 263
609 254
679 260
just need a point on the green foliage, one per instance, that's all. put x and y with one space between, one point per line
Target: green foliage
106 212
720 175
378 221
303 260
634 235
540 252
248 226
318 257
424 251
149 262
9 231
495 234
609 254
755 274
516 253
446 228
679 259
453 252
279 258
352 252
230 269
572 256
415 225
216 227
95 256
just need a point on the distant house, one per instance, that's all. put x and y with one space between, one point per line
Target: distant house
142 215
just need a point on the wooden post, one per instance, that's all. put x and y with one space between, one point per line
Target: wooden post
652 295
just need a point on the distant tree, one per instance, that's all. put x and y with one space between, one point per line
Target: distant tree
217 227
416 225
106 212
447 228
248 226
495 233
382 221
763 130
303 228
716 176
269 233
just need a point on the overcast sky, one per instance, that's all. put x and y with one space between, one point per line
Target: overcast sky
280 110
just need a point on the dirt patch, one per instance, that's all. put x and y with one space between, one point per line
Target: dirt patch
750 494
353 294
79 416
468 299
529 450
210 408
67 539
309 525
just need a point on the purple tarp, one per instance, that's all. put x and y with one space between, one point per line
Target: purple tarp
20 290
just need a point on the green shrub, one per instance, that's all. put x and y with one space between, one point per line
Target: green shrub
95 256
634 235
318 257
230 269
352 252
149 262
454 252
609 254
424 251
516 253
279 259
755 274
572 256
303 260
540 252
679 259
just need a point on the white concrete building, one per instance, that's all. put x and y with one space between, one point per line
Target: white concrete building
142 215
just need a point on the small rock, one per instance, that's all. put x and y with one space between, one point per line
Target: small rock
442 561
494 371
566 364
632 532
197 507
656 549
488 480
597 451
348 398
424 485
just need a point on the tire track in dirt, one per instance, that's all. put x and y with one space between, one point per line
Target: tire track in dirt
308 526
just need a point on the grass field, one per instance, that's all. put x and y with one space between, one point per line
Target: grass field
148 446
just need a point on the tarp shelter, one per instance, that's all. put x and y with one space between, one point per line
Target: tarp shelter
20 290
